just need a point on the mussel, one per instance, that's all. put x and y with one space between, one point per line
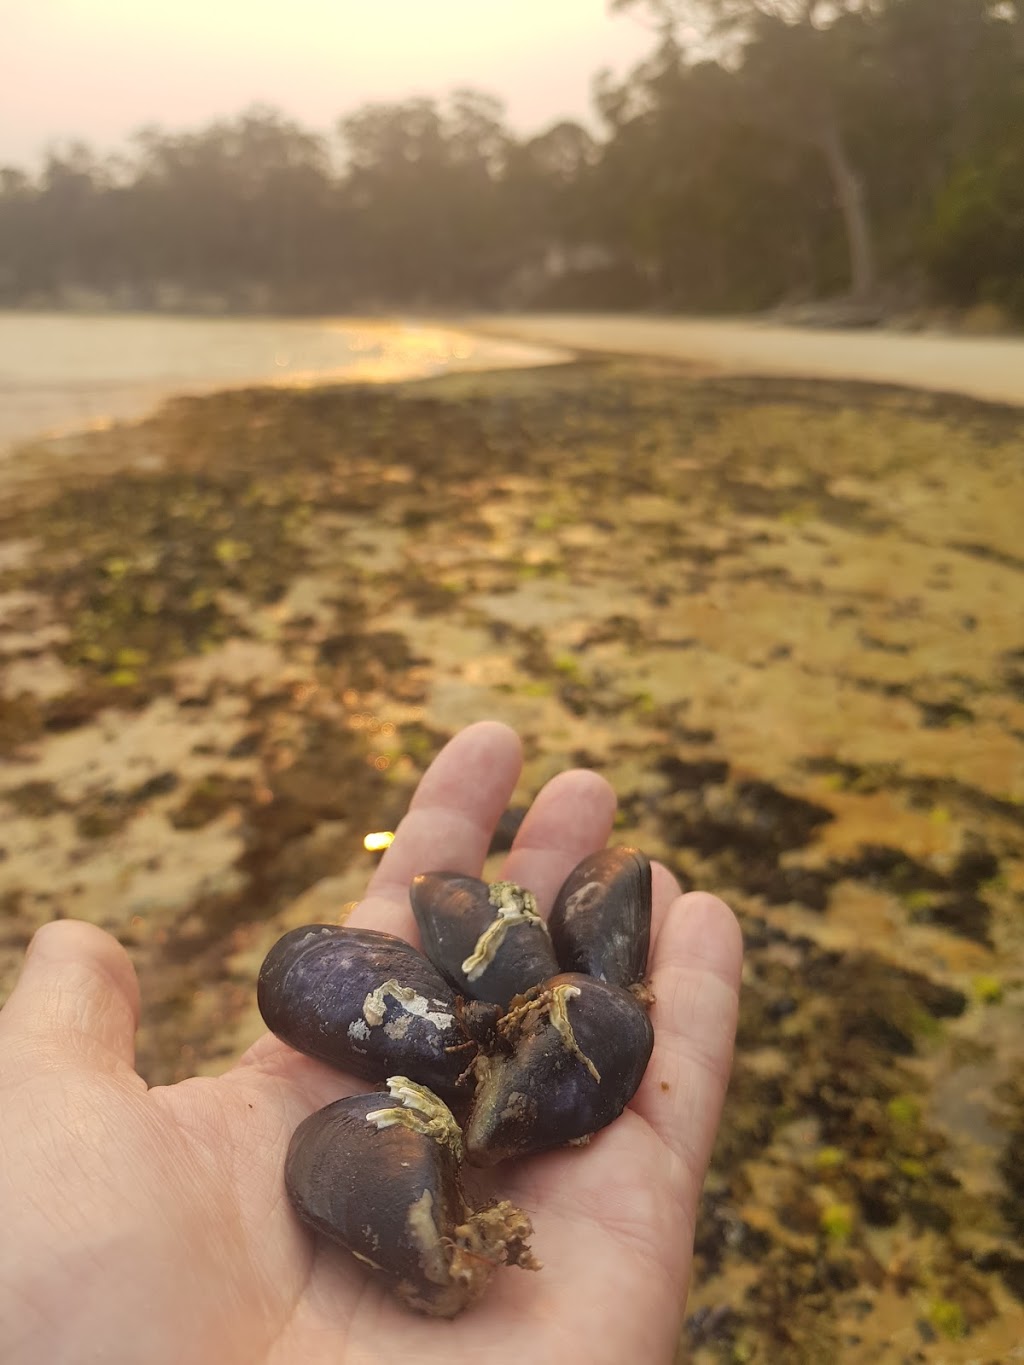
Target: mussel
601 919
366 1002
576 1051
379 1174
487 940
542 1036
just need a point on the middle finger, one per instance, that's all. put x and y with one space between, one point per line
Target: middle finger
571 816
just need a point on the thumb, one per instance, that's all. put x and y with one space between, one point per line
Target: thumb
77 1000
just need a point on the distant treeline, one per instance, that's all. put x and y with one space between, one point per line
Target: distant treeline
865 147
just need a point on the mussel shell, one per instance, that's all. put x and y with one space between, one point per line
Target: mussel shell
545 1093
357 1184
601 919
316 992
391 1195
377 1192
453 912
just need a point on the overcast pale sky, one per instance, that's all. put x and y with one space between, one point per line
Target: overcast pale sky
97 69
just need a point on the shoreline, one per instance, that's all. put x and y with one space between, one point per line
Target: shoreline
984 368
64 374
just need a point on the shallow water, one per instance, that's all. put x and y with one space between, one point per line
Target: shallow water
61 371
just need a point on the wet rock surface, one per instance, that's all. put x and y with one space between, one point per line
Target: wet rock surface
786 627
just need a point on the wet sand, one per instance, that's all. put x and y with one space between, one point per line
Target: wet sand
991 368
784 621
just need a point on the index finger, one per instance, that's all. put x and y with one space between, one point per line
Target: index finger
449 825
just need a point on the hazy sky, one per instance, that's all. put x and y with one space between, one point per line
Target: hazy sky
97 69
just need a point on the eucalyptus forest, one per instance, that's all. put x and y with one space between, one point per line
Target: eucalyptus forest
766 151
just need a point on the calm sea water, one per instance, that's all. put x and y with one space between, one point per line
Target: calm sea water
61 372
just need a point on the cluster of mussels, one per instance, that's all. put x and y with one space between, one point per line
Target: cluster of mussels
535 1033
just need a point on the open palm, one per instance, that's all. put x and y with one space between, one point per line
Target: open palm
151 1225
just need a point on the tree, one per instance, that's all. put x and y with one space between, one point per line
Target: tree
974 243
238 209
794 58
719 213
547 187
422 179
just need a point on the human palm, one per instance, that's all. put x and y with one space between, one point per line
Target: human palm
151 1225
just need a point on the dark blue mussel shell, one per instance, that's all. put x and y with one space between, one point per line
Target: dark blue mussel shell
601 919
365 1002
486 940
380 1175
577 1052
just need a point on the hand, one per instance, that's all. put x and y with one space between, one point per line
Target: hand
150 1225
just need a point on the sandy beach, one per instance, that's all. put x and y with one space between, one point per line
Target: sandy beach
991 368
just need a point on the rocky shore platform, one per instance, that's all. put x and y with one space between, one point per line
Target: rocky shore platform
782 617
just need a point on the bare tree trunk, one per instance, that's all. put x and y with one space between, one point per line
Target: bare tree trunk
853 206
